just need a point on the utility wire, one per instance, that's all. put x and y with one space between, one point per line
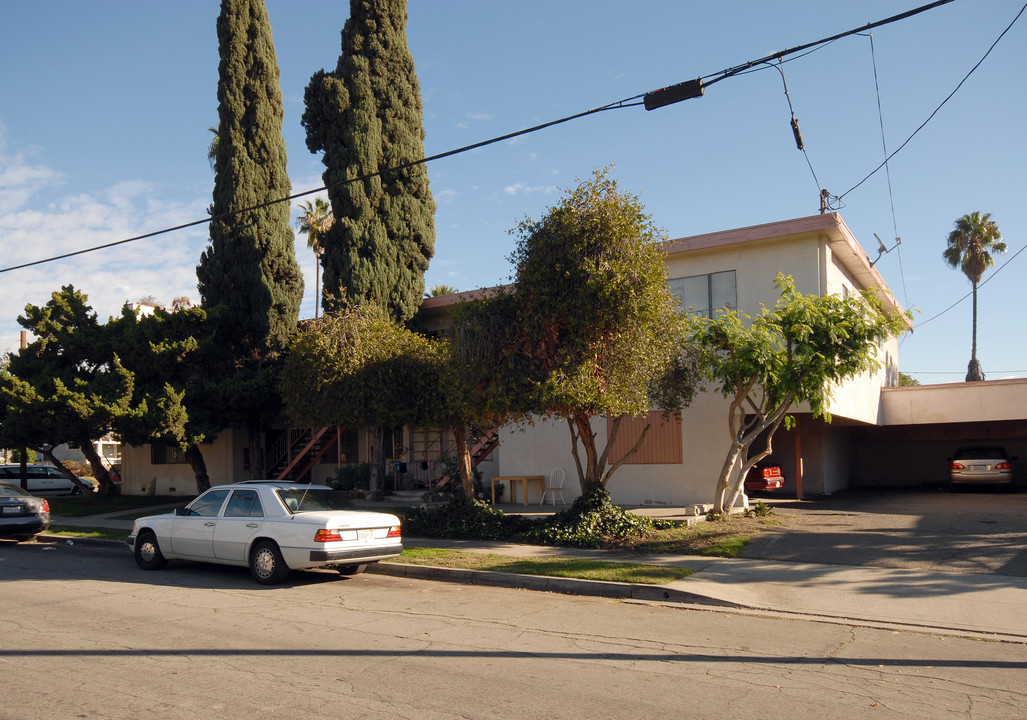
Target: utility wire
999 269
633 101
887 170
943 102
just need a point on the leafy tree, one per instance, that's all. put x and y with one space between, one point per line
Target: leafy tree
249 280
361 369
793 353
591 329
969 248
367 118
907 380
315 220
67 386
167 355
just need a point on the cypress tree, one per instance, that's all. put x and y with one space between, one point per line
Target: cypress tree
249 280
250 268
367 117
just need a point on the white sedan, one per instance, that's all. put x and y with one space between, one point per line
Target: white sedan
271 527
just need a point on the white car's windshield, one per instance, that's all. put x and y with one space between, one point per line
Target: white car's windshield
306 500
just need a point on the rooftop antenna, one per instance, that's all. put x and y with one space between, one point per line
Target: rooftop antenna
882 248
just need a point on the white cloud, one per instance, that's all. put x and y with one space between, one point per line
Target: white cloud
36 225
446 196
523 189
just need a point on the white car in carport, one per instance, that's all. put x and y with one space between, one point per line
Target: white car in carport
271 527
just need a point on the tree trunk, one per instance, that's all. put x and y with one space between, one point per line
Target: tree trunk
107 486
194 456
377 459
581 431
65 471
724 484
463 458
974 373
258 461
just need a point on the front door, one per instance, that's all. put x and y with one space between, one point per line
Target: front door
192 535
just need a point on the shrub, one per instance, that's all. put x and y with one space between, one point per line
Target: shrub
760 509
461 519
593 521
352 477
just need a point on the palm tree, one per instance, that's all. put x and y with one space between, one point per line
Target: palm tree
969 247
314 220
440 289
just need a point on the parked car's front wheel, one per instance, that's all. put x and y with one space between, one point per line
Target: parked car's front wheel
147 552
267 564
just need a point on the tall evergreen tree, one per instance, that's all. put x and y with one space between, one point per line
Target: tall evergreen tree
249 280
250 267
366 116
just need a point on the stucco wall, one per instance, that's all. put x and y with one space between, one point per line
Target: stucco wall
960 402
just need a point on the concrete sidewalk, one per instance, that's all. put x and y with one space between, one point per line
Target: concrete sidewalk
992 606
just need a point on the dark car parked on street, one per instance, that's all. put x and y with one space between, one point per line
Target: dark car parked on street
22 515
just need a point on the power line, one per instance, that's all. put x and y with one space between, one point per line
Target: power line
633 101
943 102
999 269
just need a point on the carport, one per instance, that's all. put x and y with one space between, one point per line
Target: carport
922 426
919 428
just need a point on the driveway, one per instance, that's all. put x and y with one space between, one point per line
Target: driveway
931 530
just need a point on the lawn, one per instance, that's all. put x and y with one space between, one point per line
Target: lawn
723 538
86 505
583 569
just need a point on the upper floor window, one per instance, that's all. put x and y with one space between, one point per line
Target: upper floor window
700 294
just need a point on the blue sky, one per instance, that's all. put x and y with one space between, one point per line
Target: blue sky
106 105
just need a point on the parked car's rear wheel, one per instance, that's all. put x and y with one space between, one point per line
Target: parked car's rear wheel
267 564
147 552
351 569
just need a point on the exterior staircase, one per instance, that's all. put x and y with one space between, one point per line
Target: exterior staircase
292 458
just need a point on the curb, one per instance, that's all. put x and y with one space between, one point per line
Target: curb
544 583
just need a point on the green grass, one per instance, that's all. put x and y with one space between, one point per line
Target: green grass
78 532
713 539
86 505
552 567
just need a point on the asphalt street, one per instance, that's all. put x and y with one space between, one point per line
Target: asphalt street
86 634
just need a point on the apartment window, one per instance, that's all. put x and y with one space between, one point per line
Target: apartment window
699 294
430 444
166 454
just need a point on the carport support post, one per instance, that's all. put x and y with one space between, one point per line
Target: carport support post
798 460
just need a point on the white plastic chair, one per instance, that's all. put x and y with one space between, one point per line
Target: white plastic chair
554 486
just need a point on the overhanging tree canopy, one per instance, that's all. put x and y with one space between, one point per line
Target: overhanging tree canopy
794 353
591 327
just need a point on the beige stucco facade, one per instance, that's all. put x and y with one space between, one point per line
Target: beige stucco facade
880 434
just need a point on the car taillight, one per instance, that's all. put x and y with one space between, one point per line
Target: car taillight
325 535
46 506
956 466
1004 466
394 532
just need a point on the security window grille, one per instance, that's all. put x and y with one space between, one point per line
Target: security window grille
166 455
